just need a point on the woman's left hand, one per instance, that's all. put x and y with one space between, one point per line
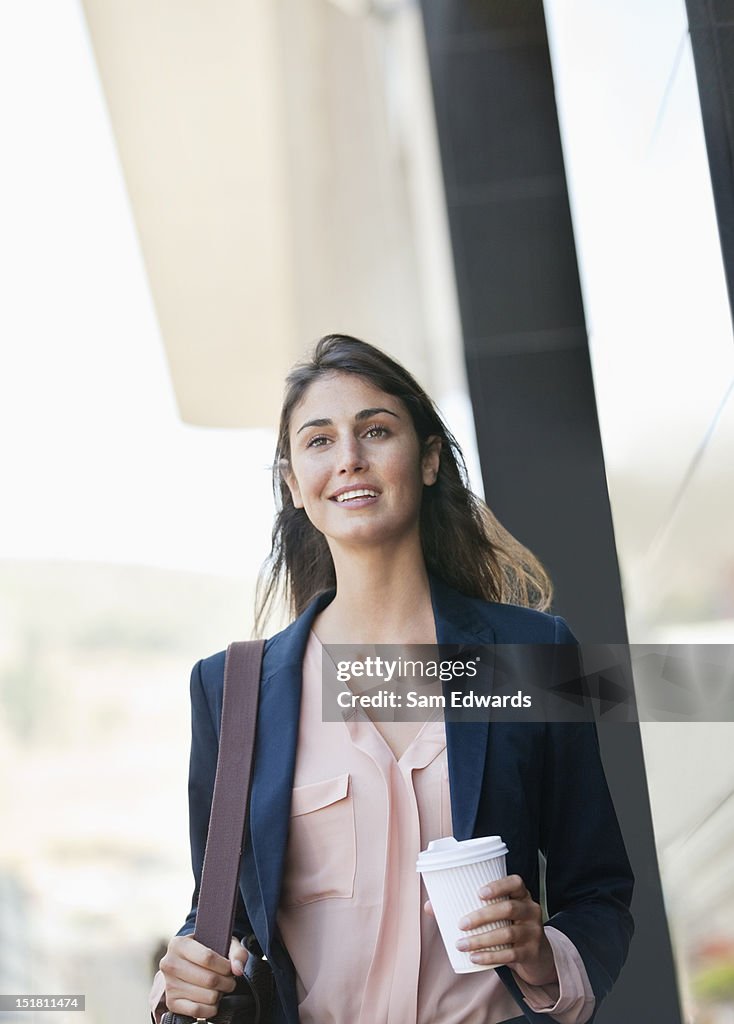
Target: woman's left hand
531 956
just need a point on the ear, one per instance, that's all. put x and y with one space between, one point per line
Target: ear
431 459
287 473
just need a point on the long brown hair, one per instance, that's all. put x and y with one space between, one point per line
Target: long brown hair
463 543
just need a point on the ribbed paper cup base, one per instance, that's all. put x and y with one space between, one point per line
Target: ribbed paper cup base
454 893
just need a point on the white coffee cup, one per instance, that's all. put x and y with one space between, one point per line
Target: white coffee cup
453 872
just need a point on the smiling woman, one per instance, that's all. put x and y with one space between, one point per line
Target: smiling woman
378 540
460 540
359 472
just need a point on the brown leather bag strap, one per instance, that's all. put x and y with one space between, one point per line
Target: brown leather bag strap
225 838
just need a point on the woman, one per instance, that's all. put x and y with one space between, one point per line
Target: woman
378 540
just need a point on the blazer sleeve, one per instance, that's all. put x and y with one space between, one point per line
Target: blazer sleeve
589 880
202 772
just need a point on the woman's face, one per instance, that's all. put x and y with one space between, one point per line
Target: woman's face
356 465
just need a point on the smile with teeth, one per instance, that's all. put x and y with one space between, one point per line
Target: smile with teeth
360 492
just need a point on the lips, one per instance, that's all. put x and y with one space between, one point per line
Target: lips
347 494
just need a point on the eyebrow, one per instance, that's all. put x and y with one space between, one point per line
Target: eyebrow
364 414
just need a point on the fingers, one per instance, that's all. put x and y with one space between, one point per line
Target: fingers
196 977
526 949
237 957
511 886
494 957
193 1001
184 949
502 910
507 901
510 935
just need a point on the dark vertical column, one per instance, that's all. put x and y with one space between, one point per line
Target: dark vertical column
711 24
531 384
522 314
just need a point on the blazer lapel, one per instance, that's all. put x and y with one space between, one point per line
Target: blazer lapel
459 621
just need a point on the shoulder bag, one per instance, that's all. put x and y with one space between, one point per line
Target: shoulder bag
252 1000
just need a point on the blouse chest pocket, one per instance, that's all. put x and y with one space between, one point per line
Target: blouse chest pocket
321 857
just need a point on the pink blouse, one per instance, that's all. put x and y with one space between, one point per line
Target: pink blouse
351 909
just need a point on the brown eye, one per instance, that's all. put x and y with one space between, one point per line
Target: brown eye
376 430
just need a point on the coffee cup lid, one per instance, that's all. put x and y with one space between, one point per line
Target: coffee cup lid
451 853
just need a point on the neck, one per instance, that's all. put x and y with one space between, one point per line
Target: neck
382 597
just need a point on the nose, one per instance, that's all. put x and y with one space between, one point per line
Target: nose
352 456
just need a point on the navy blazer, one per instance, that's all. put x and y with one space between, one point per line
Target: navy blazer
548 793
